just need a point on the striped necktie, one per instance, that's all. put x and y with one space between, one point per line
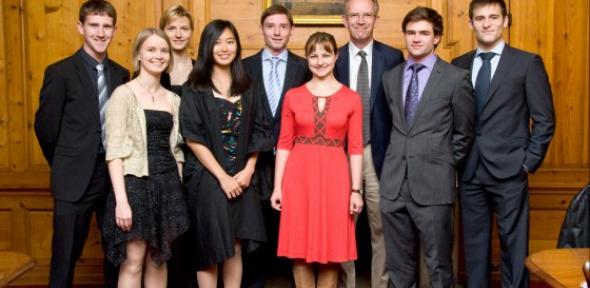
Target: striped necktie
274 86
102 97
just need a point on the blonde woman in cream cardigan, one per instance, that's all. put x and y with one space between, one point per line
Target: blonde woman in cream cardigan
147 209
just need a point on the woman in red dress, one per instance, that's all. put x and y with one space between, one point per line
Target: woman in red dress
317 187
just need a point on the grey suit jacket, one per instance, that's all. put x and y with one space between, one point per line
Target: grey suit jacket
519 92
428 152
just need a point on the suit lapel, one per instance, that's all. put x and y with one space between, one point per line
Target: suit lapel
504 67
258 71
89 88
397 100
288 83
343 67
433 80
377 69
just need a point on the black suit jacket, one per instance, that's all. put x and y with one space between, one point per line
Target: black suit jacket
384 58
67 123
519 92
296 75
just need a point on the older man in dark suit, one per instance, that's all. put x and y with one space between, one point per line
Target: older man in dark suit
515 122
69 125
433 116
360 65
277 70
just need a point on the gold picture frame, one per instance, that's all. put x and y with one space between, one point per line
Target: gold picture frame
310 12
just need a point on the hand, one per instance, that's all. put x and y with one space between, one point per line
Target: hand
230 186
123 216
244 177
356 203
275 199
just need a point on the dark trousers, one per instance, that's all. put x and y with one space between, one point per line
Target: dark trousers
406 224
71 222
182 272
264 263
481 198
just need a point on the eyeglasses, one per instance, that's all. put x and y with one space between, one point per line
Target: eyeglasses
358 16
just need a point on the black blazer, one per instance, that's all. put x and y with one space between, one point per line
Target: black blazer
296 75
67 123
519 92
384 58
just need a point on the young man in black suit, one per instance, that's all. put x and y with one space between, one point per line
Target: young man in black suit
69 125
515 123
277 70
363 74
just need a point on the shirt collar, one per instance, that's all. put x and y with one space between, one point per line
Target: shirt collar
353 50
267 55
496 50
428 61
91 62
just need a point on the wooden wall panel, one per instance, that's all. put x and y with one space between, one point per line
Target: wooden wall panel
35 33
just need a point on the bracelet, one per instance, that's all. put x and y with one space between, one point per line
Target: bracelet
359 191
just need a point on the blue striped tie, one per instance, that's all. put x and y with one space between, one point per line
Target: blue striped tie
274 87
102 97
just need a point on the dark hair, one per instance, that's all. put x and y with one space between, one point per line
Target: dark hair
424 13
275 10
478 3
173 12
321 38
97 7
200 76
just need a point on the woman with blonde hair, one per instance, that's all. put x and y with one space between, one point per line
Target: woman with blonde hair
178 24
317 187
147 209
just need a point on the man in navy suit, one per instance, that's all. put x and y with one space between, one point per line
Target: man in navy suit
277 70
515 123
68 125
360 65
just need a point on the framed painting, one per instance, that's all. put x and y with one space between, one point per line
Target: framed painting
312 12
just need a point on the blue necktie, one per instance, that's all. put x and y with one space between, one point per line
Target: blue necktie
274 85
364 90
482 82
413 95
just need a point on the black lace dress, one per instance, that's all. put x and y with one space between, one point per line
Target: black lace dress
158 204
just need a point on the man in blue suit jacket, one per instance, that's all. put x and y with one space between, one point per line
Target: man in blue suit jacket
363 74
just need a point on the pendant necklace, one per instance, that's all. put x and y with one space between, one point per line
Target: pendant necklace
153 94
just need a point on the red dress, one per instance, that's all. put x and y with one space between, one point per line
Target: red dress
316 225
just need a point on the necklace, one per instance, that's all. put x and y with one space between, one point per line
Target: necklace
153 94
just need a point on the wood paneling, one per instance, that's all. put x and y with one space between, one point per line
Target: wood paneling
35 33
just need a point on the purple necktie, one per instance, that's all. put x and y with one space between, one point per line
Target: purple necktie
412 96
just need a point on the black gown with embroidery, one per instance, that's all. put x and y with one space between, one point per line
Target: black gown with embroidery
231 131
158 204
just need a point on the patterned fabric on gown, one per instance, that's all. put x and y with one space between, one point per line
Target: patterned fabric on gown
158 204
315 222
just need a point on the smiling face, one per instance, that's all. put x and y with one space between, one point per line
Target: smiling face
97 30
360 21
420 39
321 61
488 25
224 50
179 31
154 55
276 30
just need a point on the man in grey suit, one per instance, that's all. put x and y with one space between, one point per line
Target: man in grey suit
433 115
512 91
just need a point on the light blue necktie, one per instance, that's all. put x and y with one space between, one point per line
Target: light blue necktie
102 97
274 85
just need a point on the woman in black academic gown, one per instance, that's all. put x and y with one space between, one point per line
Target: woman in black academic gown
224 125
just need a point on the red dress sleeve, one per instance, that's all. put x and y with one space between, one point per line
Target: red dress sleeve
355 126
285 141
